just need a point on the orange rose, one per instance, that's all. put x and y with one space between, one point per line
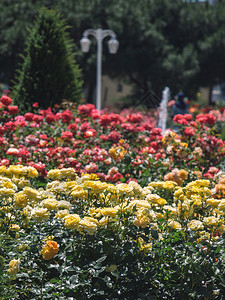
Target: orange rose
49 250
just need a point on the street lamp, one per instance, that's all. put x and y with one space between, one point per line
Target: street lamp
113 46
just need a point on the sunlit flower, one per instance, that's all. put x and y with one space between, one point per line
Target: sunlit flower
14 265
88 225
109 211
195 225
71 221
31 193
211 221
174 224
144 247
142 221
50 203
62 213
40 214
49 250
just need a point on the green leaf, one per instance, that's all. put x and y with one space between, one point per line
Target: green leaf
54 280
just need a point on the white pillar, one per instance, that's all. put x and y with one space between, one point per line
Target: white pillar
99 68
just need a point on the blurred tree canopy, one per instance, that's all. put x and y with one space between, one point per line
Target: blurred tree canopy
162 42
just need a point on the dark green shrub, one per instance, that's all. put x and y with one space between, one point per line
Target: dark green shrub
49 72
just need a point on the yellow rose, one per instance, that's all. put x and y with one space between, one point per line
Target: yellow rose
95 186
40 214
95 212
9 185
62 213
21 182
50 203
2 170
15 170
203 182
174 224
196 199
88 225
14 227
144 247
20 200
109 211
6 192
169 185
221 206
104 221
32 172
213 202
139 204
136 187
148 213
211 221
14 267
69 185
64 204
156 184
79 192
147 190
159 215
195 225
68 173
31 193
54 174
173 211
142 221
124 188
71 221
161 201
179 193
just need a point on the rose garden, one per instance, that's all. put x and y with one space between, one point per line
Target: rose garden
102 205
109 203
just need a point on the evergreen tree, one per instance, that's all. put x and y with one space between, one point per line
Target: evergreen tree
49 72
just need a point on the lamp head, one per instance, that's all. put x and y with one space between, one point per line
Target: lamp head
113 45
85 44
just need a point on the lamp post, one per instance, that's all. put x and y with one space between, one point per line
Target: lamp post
113 45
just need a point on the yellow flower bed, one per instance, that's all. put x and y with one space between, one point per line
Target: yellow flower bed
190 207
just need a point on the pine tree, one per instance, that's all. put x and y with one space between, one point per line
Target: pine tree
48 73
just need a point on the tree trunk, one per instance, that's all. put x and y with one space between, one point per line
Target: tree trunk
210 96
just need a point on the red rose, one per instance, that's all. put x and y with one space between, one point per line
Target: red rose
13 110
67 116
35 104
72 126
116 177
6 100
85 109
66 135
189 131
114 136
210 119
105 120
50 118
90 133
29 116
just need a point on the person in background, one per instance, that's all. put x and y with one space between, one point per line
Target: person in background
180 106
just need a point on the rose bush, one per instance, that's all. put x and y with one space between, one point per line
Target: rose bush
78 236
118 147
